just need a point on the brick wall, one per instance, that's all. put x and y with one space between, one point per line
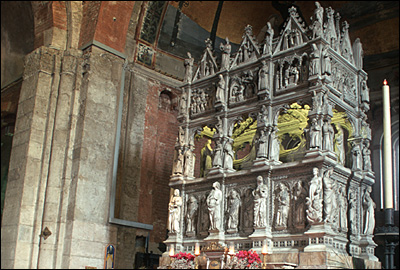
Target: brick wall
157 157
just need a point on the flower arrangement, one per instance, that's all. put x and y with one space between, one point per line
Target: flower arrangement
181 260
244 260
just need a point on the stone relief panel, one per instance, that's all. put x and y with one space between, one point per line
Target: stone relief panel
201 101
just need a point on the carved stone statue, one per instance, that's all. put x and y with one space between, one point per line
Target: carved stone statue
299 197
218 154
214 200
326 61
364 92
369 210
340 144
260 203
357 157
188 68
228 155
189 162
330 202
181 137
353 212
329 134
343 205
315 56
314 200
275 145
317 21
315 134
226 54
234 203
263 79
178 162
262 119
220 93
358 53
282 207
366 154
174 208
269 35
191 214
183 103
262 150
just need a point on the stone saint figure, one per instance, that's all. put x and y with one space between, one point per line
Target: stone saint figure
314 201
189 162
218 153
353 212
269 35
183 103
214 203
366 154
340 151
330 203
368 209
263 76
174 209
226 54
178 163
275 145
282 202
315 135
317 21
358 53
188 68
343 205
228 155
326 61
220 93
328 133
357 157
234 204
191 214
262 145
260 203
315 60
299 197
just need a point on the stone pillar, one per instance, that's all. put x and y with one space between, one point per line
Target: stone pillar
28 171
87 229
62 161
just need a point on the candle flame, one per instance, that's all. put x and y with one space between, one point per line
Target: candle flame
385 82
197 249
264 250
171 251
231 250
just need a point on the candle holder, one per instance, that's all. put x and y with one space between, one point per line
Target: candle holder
390 235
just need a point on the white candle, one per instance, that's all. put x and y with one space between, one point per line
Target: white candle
387 148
